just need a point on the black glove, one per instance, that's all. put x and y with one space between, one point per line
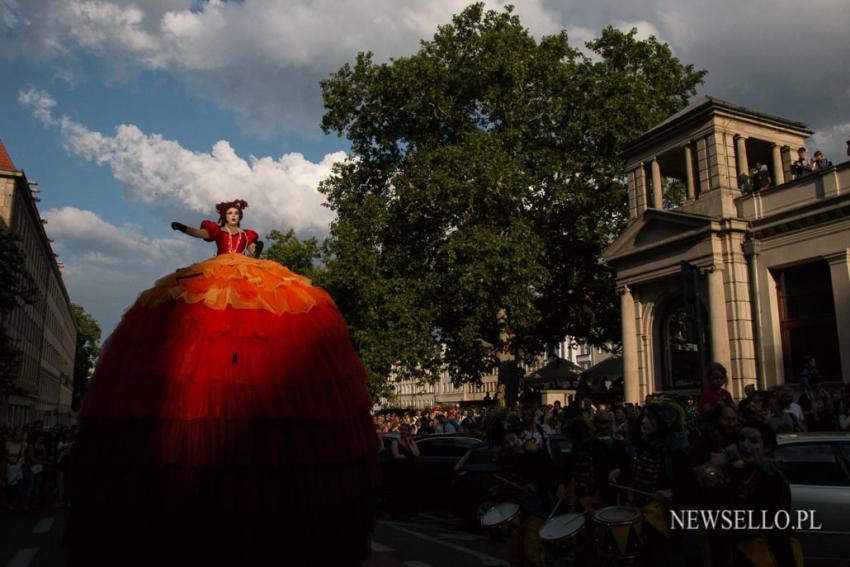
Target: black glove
258 248
179 226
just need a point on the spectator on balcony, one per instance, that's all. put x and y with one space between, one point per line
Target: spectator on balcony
802 166
761 177
820 162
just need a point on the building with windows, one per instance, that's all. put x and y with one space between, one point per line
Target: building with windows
45 330
756 277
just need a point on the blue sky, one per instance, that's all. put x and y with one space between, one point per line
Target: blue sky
131 114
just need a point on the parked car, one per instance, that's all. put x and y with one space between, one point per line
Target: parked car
438 456
481 469
818 468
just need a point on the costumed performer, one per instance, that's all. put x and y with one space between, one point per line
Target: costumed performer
227 422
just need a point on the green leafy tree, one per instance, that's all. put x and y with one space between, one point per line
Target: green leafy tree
18 289
298 255
483 184
88 349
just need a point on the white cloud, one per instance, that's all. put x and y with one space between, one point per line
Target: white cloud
832 142
262 58
107 266
282 193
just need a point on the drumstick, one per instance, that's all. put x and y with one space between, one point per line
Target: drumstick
555 509
506 481
635 490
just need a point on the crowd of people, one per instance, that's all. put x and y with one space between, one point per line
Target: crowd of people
706 451
760 177
34 464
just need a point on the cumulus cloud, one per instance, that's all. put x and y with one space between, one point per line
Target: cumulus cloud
107 266
262 58
282 192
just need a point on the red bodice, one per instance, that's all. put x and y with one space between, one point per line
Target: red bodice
225 243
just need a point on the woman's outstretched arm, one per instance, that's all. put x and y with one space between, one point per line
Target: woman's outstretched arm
196 232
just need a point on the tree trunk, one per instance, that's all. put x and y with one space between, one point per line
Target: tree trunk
508 370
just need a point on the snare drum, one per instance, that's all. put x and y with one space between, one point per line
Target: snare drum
619 531
501 520
564 533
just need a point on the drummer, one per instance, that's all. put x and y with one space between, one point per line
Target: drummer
594 455
661 468
525 548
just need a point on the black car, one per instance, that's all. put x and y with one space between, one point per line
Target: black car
434 469
480 472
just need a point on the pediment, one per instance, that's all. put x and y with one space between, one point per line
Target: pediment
654 229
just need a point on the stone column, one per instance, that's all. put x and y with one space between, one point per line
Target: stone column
689 172
631 378
631 178
778 170
741 154
719 320
640 189
786 162
657 197
839 266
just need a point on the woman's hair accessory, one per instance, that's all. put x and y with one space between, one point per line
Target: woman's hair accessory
222 208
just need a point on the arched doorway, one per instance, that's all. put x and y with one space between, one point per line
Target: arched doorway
681 360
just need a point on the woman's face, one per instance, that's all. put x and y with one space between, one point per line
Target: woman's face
649 426
232 216
716 379
751 446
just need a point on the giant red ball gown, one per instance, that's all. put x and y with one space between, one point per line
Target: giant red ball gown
230 406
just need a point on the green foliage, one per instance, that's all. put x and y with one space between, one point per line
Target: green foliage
18 289
297 255
88 349
484 184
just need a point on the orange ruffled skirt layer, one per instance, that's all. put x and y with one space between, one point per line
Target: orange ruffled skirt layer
231 386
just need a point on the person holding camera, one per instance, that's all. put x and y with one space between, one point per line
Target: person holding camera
403 483
801 166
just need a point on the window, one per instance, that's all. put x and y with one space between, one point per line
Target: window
812 464
440 447
681 358
807 319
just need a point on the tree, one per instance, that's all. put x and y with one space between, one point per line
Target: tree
18 289
483 184
297 255
88 349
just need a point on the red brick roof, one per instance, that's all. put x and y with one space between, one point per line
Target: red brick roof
5 160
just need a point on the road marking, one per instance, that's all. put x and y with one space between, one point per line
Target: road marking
488 560
416 564
23 557
378 548
43 526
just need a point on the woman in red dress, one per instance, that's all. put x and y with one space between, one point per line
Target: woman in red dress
227 421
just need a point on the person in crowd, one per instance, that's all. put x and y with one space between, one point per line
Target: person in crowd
786 416
809 375
524 547
753 482
37 460
714 392
402 484
820 162
661 468
64 446
716 436
801 166
761 177
15 449
595 454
